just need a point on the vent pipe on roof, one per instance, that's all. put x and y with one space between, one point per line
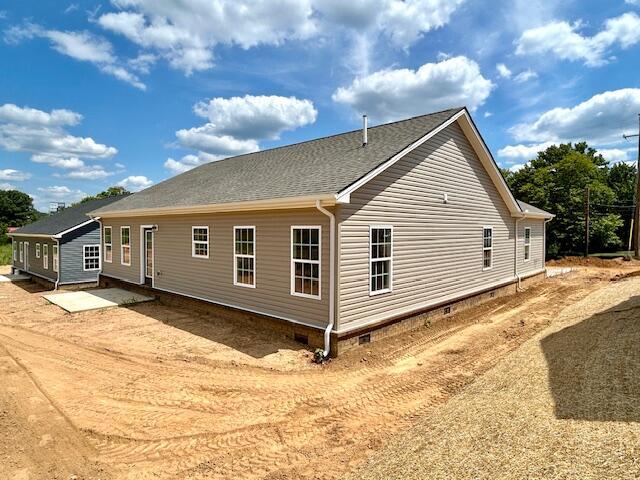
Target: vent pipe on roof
364 131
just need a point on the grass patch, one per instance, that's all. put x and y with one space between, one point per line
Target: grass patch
5 254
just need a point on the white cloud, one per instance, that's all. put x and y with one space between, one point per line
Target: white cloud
135 183
143 62
600 120
487 114
236 125
82 46
393 94
58 193
525 76
503 70
565 42
616 155
42 134
517 166
7 186
252 117
187 33
14 175
522 152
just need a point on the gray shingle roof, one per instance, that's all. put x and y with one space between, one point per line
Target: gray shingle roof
525 207
323 166
67 218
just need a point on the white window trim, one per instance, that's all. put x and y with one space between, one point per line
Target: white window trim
45 256
15 251
84 257
55 258
373 293
293 263
527 244
122 246
110 244
237 255
193 242
21 250
487 227
37 250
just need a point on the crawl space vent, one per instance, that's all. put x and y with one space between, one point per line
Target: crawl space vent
298 337
366 338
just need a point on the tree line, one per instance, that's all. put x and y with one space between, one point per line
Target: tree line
556 181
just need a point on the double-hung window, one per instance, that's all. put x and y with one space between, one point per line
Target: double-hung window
108 246
527 244
125 246
244 256
380 259
37 250
45 256
91 257
305 261
21 251
200 242
487 248
54 253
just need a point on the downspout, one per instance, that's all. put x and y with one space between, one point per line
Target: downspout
332 229
58 272
544 243
515 255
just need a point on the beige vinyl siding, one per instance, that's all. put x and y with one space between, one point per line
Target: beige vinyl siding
212 278
437 247
537 244
36 265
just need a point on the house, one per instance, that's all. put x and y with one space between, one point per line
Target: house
63 248
339 240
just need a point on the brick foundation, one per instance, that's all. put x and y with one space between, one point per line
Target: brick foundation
315 337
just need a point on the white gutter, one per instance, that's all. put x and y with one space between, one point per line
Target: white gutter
332 235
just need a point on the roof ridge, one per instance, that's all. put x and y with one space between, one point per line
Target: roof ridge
456 109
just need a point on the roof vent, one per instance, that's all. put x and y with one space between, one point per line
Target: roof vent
364 131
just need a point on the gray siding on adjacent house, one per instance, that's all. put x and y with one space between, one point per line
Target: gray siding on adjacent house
72 254
212 279
437 246
36 265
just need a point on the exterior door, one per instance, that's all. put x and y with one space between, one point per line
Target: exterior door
148 257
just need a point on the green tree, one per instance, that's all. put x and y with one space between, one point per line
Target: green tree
16 210
556 181
109 192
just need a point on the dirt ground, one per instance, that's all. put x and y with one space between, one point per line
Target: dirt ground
158 392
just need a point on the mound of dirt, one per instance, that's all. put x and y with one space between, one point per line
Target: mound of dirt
591 262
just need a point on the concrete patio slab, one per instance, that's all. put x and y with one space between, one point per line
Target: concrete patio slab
95 299
14 277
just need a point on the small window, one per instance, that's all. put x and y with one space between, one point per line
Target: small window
200 242
244 255
91 257
487 248
21 251
380 259
305 261
54 253
45 256
37 250
527 244
108 248
15 251
125 246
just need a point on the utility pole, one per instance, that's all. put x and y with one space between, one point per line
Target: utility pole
586 221
636 213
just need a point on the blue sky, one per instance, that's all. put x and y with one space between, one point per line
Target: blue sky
131 92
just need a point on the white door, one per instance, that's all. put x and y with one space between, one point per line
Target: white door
148 254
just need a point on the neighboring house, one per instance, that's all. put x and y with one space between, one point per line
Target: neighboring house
340 236
63 248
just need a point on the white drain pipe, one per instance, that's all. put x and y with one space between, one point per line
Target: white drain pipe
332 241
515 255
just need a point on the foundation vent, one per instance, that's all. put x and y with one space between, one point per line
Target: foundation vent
366 338
300 338
492 294
447 310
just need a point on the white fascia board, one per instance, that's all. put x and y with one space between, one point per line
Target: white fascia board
59 235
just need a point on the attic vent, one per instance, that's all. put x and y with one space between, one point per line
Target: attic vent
366 338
